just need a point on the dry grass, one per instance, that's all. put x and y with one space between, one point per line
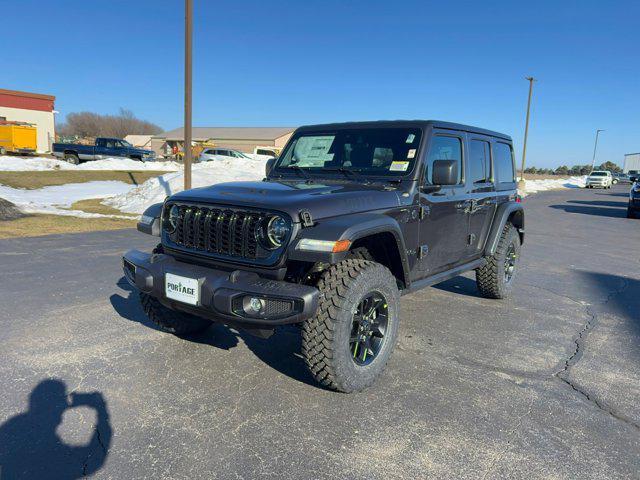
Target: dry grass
94 206
39 225
33 180
536 176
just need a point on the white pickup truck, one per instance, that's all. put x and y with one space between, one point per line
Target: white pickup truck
599 178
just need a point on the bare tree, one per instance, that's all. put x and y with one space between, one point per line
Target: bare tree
89 124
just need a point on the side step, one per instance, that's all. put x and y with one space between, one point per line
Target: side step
442 276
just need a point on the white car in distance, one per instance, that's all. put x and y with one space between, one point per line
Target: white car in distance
599 179
209 154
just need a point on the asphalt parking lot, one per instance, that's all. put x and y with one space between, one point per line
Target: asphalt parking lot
544 385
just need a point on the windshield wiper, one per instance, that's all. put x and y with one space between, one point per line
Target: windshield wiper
300 170
346 171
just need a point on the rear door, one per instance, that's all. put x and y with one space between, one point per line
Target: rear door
482 193
443 225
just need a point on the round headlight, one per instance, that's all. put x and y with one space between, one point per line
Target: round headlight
277 231
172 220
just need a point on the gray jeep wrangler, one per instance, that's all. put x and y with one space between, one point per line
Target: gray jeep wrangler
350 217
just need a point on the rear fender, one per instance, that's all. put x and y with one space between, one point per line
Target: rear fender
507 212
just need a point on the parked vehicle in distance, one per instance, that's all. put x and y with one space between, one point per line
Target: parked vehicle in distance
18 138
621 178
103 148
634 175
599 178
209 154
349 217
633 209
267 151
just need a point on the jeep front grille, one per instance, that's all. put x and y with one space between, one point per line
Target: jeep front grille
219 231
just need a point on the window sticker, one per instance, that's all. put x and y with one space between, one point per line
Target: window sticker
411 153
399 166
411 138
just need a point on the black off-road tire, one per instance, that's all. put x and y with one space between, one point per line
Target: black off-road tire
490 278
325 337
72 158
171 321
631 213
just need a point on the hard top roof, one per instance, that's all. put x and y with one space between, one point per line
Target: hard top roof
405 124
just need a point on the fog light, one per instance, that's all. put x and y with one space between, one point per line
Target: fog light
252 305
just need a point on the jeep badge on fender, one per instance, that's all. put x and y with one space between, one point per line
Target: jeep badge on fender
350 217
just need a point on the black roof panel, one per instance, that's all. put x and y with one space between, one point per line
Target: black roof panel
405 124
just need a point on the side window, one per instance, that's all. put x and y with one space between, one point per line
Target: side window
443 148
479 161
503 163
110 144
100 142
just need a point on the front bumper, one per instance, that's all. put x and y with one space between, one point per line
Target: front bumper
222 292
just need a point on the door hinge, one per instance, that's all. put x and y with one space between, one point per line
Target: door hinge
423 250
424 211
471 239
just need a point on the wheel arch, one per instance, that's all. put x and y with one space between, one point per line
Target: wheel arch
379 233
511 212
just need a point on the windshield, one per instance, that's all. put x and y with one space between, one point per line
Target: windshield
368 151
126 144
598 174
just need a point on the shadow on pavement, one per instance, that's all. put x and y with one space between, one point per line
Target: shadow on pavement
281 352
461 286
31 448
593 210
600 203
622 296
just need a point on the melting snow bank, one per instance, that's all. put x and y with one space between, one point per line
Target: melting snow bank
535 186
54 199
21 164
155 190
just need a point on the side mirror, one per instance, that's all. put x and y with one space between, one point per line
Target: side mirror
633 178
445 172
269 166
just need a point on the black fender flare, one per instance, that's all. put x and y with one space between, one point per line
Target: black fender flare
509 211
149 222
348 227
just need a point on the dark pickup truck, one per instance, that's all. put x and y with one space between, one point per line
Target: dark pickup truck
103 148
348 218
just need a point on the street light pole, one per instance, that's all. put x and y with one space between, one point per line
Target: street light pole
595 146
188 26
526 126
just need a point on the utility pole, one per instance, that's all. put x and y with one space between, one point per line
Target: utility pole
526 126
595 146
188 37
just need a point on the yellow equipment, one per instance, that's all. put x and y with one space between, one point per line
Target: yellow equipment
18 138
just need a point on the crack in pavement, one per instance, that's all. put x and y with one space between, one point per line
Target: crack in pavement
576 355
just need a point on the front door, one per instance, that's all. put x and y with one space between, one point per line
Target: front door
443 224
482 193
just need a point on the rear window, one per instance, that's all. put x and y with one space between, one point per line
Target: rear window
479 162
503 163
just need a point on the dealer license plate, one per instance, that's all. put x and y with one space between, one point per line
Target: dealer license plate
182 289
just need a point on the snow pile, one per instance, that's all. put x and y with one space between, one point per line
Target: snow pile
54 199
535 186
18 164
155 190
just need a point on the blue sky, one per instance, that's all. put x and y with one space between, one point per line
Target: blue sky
287 63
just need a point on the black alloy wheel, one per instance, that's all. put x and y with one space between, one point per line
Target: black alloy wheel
510 260
368 328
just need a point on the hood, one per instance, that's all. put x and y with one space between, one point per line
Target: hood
322 200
